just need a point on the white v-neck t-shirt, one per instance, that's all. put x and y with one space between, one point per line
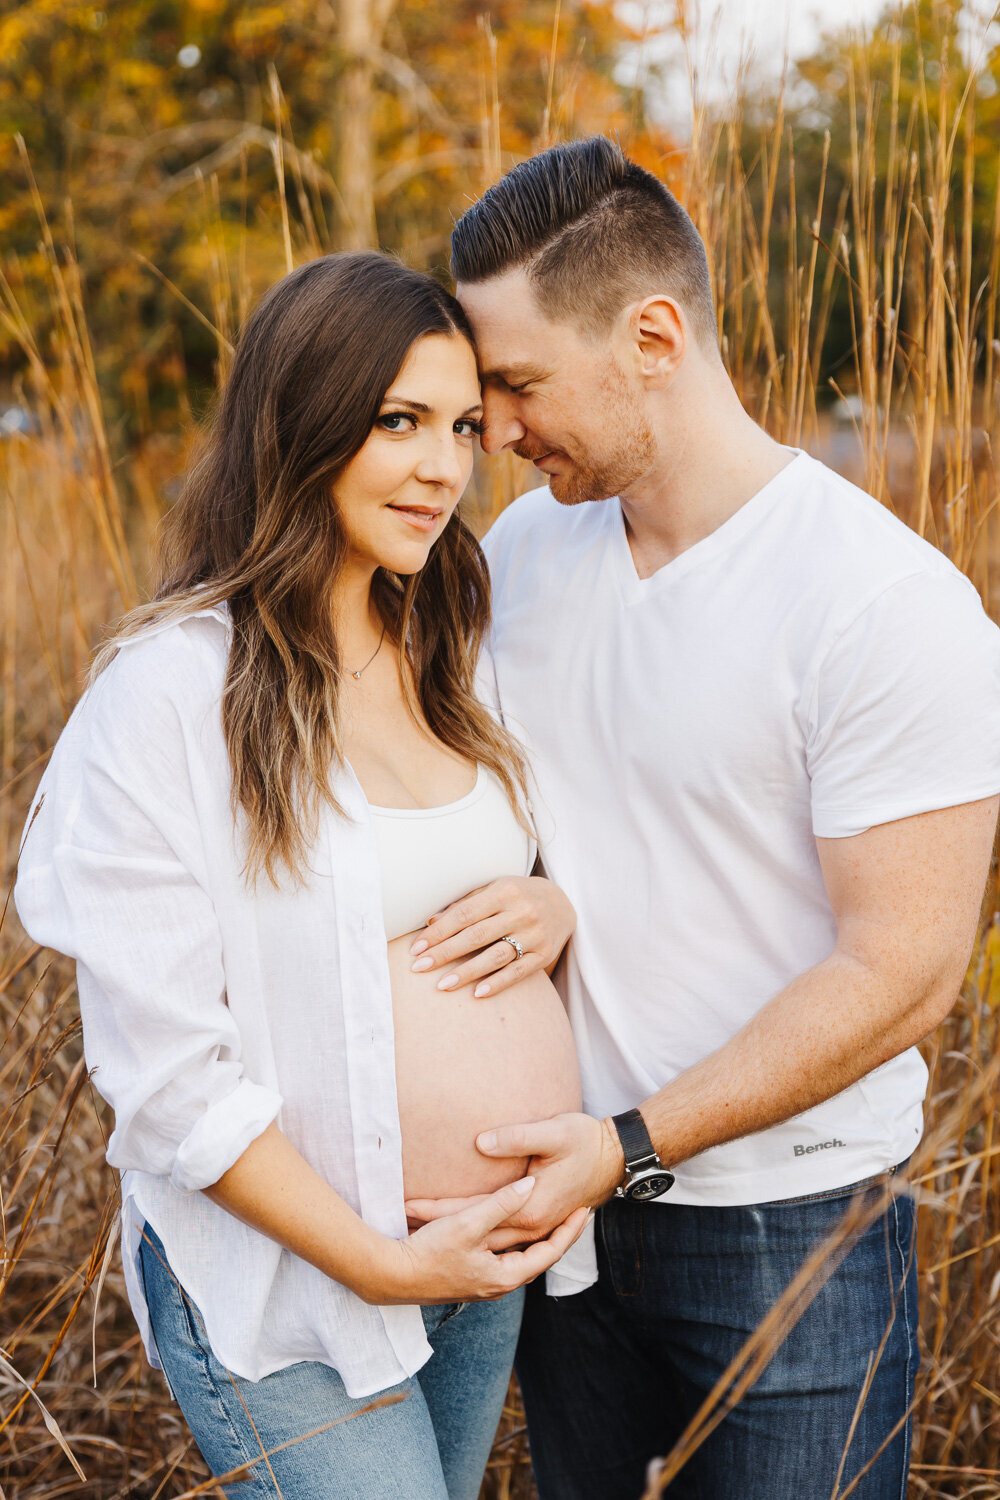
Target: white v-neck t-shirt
810 669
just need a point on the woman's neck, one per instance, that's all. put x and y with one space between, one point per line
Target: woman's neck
356 624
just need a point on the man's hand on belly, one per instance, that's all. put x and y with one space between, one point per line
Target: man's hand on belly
576 1161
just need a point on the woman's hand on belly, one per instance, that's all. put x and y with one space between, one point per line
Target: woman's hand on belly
450 1260
462 1064
527 907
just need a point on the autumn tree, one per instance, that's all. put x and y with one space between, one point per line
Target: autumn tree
192 136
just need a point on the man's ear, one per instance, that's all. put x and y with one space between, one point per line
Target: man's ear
659 337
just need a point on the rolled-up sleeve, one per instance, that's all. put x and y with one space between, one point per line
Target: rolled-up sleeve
110 874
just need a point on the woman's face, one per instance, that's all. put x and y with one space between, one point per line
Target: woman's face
397 494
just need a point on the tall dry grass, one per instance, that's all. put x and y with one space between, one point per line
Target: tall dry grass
80 1412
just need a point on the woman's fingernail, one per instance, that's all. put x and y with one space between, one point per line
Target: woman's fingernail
419 947
481 990
488 1142
525 1185
448 983
421 965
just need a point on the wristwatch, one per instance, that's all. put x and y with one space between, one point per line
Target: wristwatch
645 1175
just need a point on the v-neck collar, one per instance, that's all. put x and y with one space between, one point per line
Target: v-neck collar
633 588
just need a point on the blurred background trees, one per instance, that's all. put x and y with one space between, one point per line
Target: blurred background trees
186 134
172 126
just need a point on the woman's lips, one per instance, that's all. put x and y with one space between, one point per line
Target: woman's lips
420 520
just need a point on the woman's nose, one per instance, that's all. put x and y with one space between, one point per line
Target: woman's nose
444 464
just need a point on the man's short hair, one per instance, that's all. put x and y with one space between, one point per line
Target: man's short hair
594 232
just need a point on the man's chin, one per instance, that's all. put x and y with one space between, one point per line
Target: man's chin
574 489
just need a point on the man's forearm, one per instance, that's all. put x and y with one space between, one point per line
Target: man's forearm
828 1028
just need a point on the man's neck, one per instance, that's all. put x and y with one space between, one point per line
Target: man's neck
711 465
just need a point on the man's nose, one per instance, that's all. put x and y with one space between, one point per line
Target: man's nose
502 427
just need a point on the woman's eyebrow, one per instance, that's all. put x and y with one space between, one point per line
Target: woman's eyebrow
405 401
422 406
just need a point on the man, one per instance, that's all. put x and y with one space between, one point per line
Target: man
764 721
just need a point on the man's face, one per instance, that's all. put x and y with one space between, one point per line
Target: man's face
556 398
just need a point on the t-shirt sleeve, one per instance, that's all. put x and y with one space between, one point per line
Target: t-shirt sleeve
905 712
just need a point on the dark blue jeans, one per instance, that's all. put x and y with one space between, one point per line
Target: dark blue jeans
612 1376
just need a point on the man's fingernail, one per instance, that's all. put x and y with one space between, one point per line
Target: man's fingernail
488 1142
481 990
421 965
525 1185
419 947
448 982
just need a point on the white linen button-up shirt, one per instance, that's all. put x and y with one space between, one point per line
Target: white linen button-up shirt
211 1008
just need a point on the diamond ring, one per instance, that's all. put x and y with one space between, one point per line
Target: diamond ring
514 944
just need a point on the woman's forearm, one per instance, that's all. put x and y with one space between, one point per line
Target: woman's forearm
273 1188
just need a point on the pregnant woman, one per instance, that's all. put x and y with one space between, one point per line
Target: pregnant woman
280 770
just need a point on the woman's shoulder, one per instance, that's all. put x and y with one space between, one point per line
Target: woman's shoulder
180 660
161 682
124 761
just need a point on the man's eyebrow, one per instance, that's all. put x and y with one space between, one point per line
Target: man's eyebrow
509 373
422 406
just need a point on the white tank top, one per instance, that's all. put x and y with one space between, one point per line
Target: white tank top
431 856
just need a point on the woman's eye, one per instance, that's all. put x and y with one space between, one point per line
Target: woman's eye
389 418
469 427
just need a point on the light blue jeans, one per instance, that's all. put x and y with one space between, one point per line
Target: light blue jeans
432 1446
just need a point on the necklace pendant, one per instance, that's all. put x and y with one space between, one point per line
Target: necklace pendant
356 675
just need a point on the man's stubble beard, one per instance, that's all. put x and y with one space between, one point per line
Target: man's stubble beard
631 454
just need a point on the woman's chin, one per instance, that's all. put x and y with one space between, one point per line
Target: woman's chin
406 560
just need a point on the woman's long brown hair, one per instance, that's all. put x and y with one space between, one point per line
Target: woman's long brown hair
256 528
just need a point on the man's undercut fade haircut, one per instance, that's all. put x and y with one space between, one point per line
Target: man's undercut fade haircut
594 232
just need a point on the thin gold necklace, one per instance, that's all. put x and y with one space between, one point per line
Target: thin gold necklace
370 659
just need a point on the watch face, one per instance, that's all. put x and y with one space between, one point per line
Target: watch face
649 1184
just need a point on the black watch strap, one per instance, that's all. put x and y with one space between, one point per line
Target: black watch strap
634 1136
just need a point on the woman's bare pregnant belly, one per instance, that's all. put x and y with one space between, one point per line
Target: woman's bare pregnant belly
464 1065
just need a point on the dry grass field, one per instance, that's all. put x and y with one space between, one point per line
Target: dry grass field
81 1414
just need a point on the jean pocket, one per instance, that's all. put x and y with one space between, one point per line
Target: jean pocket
453 1311
623 1242
166 1300
151 1244
849 1190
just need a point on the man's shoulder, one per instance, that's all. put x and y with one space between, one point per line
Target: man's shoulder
845 535
536 521
533 507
